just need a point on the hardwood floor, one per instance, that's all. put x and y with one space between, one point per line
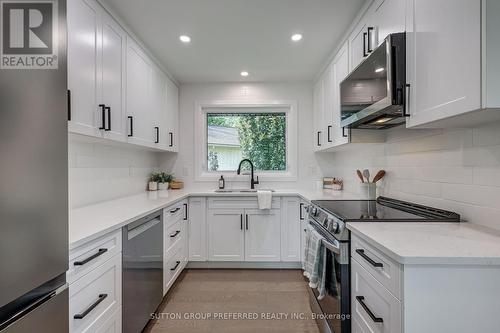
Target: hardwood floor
200 298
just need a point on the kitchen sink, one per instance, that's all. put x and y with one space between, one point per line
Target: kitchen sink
242 190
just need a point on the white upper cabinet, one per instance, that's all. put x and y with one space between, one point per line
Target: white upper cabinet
318 114
139 96
443 48
262 235
491 53
172 118
386 17
357 45
114 41
115 89
84 48
340 71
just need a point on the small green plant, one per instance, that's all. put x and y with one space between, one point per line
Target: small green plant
161 177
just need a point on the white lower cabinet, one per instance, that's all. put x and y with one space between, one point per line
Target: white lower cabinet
292 215
95 299
262 235
197 229
226 236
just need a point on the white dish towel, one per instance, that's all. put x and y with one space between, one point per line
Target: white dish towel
265 199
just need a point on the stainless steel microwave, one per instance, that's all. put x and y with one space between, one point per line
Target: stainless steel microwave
373 96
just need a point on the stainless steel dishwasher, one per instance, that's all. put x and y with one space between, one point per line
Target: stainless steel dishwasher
142 287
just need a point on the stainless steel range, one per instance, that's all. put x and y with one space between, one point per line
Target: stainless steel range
329 218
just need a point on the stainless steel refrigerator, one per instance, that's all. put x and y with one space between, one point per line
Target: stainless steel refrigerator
33 167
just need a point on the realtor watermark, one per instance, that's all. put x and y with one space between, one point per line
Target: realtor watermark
28 34
245 316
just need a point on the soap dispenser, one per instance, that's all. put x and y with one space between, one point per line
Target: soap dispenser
222 183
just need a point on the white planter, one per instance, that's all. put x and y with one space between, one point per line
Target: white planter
153 186
163 186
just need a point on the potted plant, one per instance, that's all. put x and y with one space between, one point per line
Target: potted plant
153 181
163 180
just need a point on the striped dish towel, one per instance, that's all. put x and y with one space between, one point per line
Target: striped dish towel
314 261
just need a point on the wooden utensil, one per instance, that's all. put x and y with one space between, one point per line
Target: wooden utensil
366 173
360 175
379 176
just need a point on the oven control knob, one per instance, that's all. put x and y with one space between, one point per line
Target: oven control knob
333 226
314 211
326 222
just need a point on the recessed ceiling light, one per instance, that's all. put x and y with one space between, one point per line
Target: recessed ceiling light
378 70
244 73
296 37
185 39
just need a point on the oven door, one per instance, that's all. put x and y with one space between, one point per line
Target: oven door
332 313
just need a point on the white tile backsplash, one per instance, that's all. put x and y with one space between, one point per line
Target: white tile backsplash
99 171
455 169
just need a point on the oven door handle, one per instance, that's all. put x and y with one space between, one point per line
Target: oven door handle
330 246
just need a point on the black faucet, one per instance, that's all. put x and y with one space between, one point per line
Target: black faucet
252 181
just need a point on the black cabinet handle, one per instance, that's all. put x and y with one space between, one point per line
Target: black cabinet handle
185 212
301 209
318 138
376 319
131 126
171 139
92 257
246 221
241 221
82 315
108 109
329 133
103 116
176 265
175 233
157 129
343 133
369 42
361 252
406 106
69 104
365 34
175 210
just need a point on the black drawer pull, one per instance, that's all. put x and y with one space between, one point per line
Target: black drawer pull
361 299
171 139
131 126
177 263
157 129
369 42
343 133
365 34
103 116
69 105
108 109
175 233
185 212
175 210
241 221
330 133
301 209
82 315
92 257
361 252
318 143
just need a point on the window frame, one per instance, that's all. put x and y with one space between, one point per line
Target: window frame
288 107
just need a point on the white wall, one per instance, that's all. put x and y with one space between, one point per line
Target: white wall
100 171
183 164
455 169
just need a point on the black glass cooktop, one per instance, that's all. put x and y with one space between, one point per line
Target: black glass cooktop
384 210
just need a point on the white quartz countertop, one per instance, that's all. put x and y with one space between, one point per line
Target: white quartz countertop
432 243
89 222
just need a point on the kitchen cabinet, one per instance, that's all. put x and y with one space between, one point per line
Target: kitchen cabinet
172 117
340 71
357 44
262 235
491 53
84 67
197 229
444 77
318 114
386 17
159 107
226 236
95 71
292 215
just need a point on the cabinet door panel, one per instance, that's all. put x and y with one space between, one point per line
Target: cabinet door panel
357 46
262 235
388 17
113 76
172 121
291 229
340 71
318 115
225 235
443 74
139 76
197 229
84 40
159 106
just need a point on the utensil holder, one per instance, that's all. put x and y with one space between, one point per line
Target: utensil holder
368 191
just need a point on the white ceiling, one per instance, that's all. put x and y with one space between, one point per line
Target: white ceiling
229 36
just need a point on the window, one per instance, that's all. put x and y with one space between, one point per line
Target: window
260 137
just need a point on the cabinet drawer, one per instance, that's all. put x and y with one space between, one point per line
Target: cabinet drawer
174 263
96 296
239 203
384 269
374 308
174 234
113 324
175 213
87 257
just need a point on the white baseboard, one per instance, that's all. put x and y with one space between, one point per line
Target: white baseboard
243 265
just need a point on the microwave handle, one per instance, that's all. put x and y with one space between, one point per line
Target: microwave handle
406 107
365 35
